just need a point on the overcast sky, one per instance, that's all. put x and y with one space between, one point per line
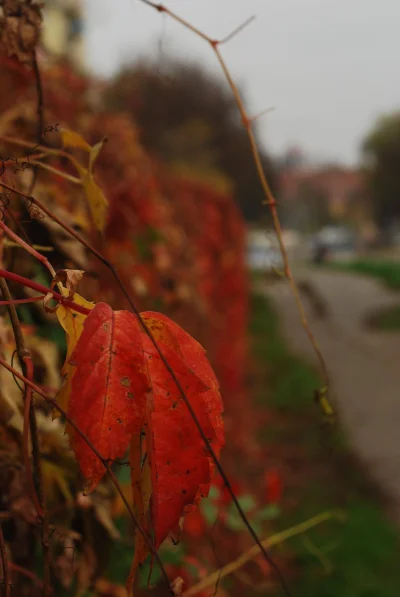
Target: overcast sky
329 67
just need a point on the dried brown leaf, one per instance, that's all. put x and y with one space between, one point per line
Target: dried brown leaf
70 278
20 24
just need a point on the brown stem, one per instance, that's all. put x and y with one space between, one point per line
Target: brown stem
33 299
104 461
168 367
6 580
43 260
30 417
40 100
254 551
269 198
44 149
25 439
27 573
40 113
43 290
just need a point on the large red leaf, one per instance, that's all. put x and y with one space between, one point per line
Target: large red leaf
179 459
108 395
195 356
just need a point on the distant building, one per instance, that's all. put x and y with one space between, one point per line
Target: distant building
314 196
62 32
339 185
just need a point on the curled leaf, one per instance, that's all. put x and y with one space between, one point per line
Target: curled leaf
68 277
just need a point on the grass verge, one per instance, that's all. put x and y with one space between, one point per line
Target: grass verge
386 271
357 558
385 319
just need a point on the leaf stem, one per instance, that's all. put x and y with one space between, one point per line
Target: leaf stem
5 565
43 290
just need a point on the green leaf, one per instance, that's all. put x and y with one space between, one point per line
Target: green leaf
268 513
210 511
247 503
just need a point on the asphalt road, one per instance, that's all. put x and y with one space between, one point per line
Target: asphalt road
364 365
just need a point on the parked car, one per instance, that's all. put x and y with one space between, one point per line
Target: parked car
333 243
264 259
263 253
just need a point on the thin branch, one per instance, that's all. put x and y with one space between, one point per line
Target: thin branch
237 30
40 100
104 462
254 551
168 367
43 148
30 422
43 260
42 289
33 299
40 113
6 580
43 248
269 198
57 172
319 554
260 114
24 572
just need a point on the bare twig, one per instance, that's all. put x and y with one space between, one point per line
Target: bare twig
269 198
23 354
43 148
105 462
40 100
57 172
33 299
43 260
27 573
30 423
6 581
260 114
237 30
280 537
42 289
40 113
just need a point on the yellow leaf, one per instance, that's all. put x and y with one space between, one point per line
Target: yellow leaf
97 201
98 204
72 322
75 140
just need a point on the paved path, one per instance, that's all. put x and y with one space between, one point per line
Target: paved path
364 365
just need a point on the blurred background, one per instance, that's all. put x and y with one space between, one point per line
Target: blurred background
188 232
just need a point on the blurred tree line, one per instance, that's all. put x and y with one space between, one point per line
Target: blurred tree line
382 162
189 117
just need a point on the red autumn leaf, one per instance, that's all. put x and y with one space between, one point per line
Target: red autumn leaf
121 387
179 459
108 388
195 356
